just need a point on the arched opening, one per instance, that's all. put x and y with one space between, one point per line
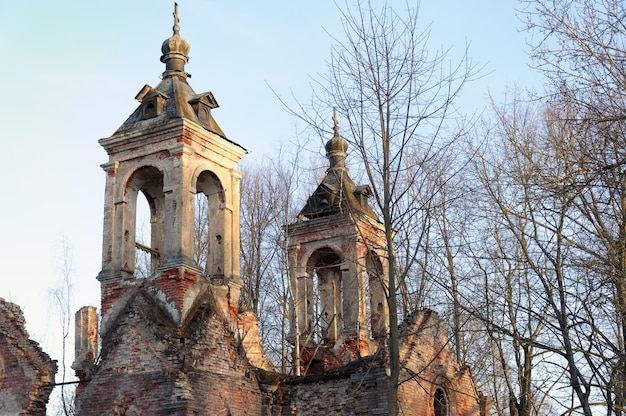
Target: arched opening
376 293
324 300
209 224
144 265
201 230
143 222
440 403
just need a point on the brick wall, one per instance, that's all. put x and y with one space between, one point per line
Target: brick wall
150 366
357 391
26 372
362 387
429 364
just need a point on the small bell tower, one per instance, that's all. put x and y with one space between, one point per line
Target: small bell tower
337 261
171 150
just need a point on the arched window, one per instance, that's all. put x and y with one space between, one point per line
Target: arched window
143 222
201 230
144 264
324 300
209 224
440 404
374 282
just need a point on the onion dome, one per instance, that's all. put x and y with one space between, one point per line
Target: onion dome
175 51
337 147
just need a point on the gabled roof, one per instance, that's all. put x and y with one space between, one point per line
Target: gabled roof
206 98
338 194
179 100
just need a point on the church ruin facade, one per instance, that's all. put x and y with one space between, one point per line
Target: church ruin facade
175 342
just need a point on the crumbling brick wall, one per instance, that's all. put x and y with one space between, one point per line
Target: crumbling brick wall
362 387
429 365
26 372
149 366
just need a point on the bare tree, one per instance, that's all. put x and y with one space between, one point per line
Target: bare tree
271 195
61 298
580 46
551 260
396 97
269 199
201 230
261 203
506 246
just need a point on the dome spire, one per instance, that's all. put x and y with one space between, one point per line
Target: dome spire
176 28
175 50
336 121
337 147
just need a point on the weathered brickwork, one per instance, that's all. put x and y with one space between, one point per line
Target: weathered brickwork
429 364
85 345
248 330
150 366
26 372
357 390
362 387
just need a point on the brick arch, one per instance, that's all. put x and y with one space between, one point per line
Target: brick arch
127 180
208 183
209 222
323 255
441 388
325 303
377 302
205 170
150 181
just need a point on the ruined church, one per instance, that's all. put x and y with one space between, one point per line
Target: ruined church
177 343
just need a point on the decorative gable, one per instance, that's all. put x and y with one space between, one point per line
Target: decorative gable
202 104
152 102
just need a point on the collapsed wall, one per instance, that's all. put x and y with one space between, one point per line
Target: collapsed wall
432 382
26 372
149 365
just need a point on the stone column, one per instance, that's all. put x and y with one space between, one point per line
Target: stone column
108 224
179 209
85 344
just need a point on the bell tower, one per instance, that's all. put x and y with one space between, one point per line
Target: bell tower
171 150
336 260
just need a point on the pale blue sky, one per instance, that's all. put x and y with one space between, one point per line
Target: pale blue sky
71 70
